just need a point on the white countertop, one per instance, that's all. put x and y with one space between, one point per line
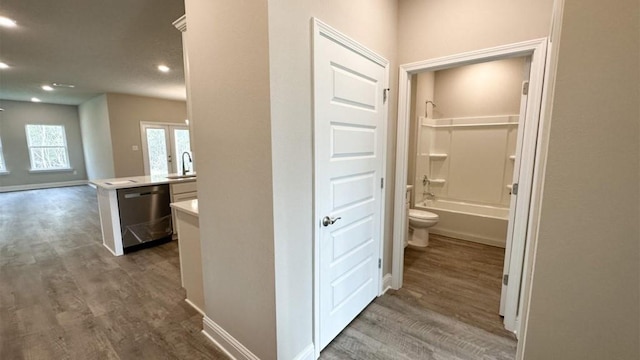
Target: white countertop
188 206
137 181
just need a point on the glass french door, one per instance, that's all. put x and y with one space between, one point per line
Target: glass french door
163 146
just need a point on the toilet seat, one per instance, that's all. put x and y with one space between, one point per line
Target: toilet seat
422 215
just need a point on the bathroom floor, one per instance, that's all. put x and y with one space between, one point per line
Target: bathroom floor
457 278
447 309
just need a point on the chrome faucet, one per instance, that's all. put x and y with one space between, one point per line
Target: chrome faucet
184 168
426 181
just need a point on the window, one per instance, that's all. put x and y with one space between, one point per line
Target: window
3 166
47 147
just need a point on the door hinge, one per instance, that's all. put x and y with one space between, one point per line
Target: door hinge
514 189
379 263
381 183
525 88
385 95
505 279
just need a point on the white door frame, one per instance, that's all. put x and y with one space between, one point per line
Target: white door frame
143 141
322 29
530 166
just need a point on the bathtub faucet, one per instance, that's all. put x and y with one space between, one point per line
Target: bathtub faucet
429 195
425 181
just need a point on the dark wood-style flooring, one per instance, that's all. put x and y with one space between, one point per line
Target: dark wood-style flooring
457 278
64 296
447 309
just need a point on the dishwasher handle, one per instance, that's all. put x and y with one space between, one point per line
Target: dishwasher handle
140 194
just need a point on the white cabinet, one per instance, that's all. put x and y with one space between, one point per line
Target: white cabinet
190 251
180 192
185 187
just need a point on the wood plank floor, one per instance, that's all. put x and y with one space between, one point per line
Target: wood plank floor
447 309
64 296
457 278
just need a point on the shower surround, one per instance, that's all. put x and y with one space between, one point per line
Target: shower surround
464 171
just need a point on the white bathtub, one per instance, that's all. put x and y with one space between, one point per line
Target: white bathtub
477 223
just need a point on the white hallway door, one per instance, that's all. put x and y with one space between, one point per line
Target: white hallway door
349 91
163 146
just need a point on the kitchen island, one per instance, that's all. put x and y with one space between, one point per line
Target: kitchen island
135 210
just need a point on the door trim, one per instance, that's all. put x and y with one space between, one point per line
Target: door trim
530 166
319 28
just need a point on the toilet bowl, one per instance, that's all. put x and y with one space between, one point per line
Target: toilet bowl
419 222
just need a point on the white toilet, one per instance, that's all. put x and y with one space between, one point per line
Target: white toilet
420 221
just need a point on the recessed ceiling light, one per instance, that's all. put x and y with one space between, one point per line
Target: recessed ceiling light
63 85
3 65
163 68
35 99
47 88
6 22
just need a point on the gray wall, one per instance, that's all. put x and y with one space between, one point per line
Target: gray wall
430 28
111 128
585 299
17 114
125 114
485 89
227 43
96 135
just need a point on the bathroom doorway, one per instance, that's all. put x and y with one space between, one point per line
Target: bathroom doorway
468 159
462 152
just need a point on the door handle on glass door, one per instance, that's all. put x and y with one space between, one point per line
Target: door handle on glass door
326 221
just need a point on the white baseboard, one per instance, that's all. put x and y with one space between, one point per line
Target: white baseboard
111 251
225 342
468 237
195 307
42 186
307 353
386 283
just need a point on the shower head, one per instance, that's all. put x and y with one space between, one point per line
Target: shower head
426 107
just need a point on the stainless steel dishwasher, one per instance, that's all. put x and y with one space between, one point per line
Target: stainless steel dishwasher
145 215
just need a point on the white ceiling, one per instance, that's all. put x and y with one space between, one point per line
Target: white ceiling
99 46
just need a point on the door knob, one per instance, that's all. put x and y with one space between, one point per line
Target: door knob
326 221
